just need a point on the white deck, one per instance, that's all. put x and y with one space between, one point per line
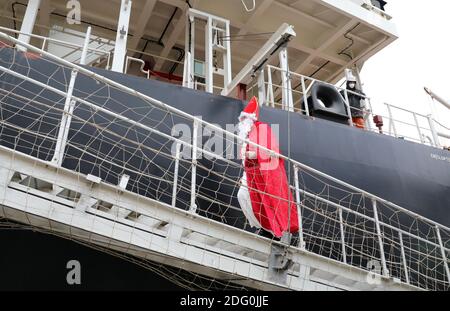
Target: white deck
161 233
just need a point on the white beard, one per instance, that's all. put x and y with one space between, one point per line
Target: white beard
244 128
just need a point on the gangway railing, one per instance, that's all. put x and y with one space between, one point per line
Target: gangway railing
101 133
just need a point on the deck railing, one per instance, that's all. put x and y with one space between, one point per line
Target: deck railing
400 122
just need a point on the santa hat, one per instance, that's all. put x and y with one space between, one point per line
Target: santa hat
252 110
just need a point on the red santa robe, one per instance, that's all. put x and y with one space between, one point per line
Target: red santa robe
271 199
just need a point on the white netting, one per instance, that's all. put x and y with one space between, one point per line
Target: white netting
115 132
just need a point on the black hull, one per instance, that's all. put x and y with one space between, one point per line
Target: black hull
38 262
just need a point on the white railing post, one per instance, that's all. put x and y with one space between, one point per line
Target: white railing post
434 132
286 81
416 121
28 23
120 49
444 256
108 62
299 212
270 97
405 264
44 43
261 90
209 70
85 46
391 121
66 119
193 206
175 174
349 111
305 98
380 238
369 114
341 226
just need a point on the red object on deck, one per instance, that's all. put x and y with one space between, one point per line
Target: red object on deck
378 120
358 122
168 76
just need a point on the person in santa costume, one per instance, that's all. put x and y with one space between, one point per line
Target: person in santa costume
264 194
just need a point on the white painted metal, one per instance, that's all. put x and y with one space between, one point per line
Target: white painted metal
85 46
175 174
392 121
227 76
138 60
305 97
416 122
123 182
380 238
341 226
443 135
65 121
284 33
28 22
120 49
442 101
404 263
299 210
188 72
193 206
71 45
287 101
347 106
209 55
216 30
443 253
270 98
261 88
434 133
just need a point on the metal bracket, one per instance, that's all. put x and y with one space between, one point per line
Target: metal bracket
279 263
278 40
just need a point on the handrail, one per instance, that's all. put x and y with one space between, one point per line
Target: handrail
421 138
167 107
138 60
80 46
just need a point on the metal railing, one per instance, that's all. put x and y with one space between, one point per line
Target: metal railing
104 58
91 132
73 46
412 126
